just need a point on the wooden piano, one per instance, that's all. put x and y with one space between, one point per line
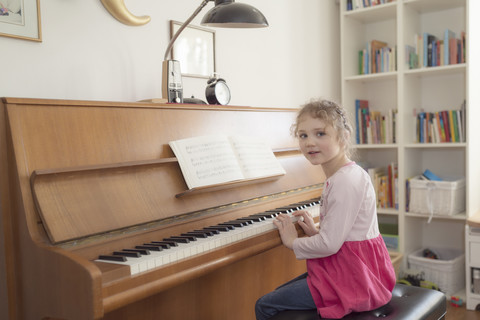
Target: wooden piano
81 179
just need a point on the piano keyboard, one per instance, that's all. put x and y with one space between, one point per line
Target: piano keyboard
169 250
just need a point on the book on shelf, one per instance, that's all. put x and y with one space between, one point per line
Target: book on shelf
376 48
374 127
358 4
440 126
216 159
361 119
429 175
449 34
411 57
385 183
377 57
407 193
432 51
428 40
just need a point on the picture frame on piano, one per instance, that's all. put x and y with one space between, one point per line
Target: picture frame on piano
195 50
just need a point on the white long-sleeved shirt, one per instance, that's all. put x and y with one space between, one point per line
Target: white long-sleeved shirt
347 213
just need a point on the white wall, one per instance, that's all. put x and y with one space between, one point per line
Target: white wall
86 54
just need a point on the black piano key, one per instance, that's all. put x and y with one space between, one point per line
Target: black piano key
196 234
234 223
141 251
218 228
246 220
163 244
284 210
177 239
189 237
212 231
255 219
170 242
307 202
112 258
127 254
265 215
229 226
306 205
273 212
150 247
209 233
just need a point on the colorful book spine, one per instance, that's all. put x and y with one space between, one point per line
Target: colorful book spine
449 34
441 126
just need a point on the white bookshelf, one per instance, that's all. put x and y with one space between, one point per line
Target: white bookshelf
429 88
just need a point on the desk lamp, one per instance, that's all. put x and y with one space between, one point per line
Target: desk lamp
226 14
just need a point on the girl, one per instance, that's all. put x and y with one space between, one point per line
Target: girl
348 265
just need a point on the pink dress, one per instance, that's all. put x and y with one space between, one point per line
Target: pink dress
349 268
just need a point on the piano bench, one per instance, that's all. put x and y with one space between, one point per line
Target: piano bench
408 302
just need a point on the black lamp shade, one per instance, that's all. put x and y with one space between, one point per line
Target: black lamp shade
229 14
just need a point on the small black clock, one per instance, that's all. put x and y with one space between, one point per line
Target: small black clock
217 91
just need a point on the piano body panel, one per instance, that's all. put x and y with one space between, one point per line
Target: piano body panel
7 267
45 281
61 286
50 278
134 288
227 293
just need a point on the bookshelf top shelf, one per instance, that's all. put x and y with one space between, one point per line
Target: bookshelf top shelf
424 6
440 70
459 216
436 145
375 13
372 77
375 146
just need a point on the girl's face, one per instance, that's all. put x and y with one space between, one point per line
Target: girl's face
318 141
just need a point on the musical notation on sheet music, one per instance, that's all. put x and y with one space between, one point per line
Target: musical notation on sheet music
147 256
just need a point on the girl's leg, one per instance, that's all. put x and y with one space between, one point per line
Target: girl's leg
293 295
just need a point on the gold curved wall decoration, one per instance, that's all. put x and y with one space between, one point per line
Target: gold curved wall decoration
118 9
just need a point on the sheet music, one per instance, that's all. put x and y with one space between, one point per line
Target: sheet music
210 160
256 157
207 160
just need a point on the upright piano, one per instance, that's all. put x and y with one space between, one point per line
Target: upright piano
84 180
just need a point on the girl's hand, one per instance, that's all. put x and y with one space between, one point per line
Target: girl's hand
307 223
287 230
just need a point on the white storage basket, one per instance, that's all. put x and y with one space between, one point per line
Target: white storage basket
437 197
448 271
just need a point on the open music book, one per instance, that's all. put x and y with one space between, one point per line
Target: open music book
217 159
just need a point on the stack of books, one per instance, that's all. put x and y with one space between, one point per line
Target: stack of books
432 51
377 57
385 182
441 126
374 127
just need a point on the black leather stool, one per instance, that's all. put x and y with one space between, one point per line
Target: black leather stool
407 302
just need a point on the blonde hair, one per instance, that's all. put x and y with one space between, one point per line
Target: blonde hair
332 114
